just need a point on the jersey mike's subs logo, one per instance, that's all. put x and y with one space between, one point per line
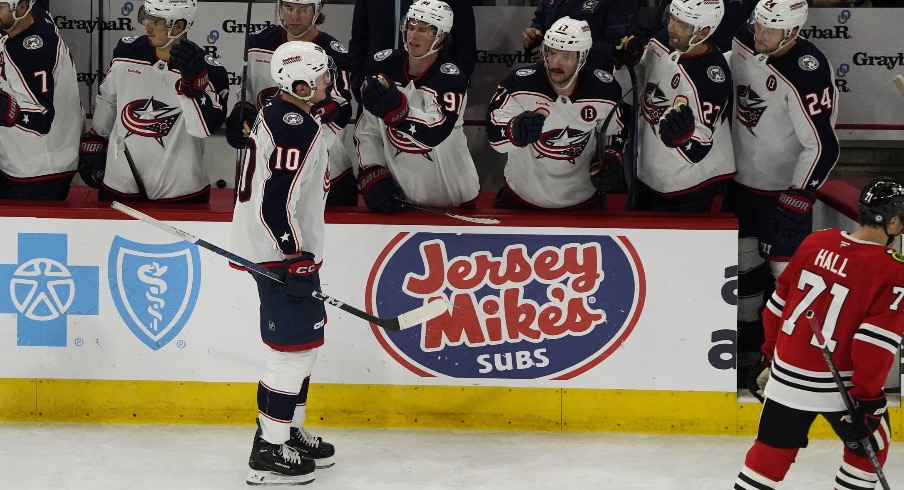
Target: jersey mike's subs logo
522 306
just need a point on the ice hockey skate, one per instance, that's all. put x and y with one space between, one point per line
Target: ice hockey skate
312 447
277 464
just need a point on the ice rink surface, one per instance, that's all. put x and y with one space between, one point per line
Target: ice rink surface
132 457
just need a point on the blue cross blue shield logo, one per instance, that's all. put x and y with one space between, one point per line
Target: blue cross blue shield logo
43 289
154 287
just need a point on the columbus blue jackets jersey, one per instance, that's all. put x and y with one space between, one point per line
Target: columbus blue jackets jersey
426 153
786 109
164 131
705 81
261 87
554 171
283 186
856 291
36 70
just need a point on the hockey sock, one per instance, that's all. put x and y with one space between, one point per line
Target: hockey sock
770 462
301 403
277 392
851 478
751 480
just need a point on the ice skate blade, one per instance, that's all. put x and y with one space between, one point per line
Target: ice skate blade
264 477
323 463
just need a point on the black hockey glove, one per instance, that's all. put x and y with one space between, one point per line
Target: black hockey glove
379 189
92 159
677 126
868 415
303 277
382 98
238 120
525 128
757 377
608 174
794 216
188 58
625 47
9 109
327 110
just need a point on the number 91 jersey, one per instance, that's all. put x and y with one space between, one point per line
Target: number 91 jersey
855 290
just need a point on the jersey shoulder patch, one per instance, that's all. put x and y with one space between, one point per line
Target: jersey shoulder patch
212 61
339 47
895 255
808 62
449 69
32 42
292 118
603 75
382 55
525 72
129 39
716 74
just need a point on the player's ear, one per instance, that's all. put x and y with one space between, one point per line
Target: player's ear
703 33
178 27
793 33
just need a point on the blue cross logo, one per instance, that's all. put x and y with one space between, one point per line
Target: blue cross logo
44 289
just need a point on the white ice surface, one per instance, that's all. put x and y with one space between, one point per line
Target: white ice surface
133 457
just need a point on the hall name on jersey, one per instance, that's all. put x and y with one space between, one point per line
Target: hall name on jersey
829 261
91 25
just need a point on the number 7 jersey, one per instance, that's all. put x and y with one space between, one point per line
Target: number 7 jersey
855 290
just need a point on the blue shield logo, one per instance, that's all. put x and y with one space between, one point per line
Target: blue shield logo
154 287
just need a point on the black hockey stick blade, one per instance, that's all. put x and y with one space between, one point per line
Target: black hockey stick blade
470 219
848 401
408 319
142 190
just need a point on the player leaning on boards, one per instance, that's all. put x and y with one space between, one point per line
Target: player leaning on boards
854 285
785 147
41 118
410 138
547 117
278 223
160 98
298 20
685 151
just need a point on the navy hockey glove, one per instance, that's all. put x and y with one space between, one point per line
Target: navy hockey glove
379 189
757 377
238 120
608 174
188 58
794 216
382 98
868 415
677 126
302 278
327 110
92 159
625 47
525 128
9 109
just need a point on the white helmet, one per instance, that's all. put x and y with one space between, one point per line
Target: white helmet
699 13
12 8
781 14
318 6
299 61
567 34
171 11
433 12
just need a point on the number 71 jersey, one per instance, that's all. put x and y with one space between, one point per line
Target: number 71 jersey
855 290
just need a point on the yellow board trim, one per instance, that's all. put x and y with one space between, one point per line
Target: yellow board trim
464 407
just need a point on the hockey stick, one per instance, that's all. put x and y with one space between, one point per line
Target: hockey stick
121 145
602 140
482 221
239 154
406 320
899 83
848 401
632 186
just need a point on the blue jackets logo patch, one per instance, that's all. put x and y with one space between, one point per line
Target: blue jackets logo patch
523 306
154 287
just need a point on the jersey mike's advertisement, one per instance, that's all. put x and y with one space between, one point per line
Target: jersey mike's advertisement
637 309
523 306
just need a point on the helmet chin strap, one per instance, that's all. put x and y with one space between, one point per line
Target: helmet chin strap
172 39
17 19
433 49
282 21
675 55
574 76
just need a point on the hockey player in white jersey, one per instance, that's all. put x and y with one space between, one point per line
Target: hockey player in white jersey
410 138
785 146
41 118
546 117
298 21
685 151
160 98
278 223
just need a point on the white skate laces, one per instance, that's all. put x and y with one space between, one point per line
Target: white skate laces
309 438
289 454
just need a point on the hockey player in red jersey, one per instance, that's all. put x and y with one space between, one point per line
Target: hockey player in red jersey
785 146
854 286
547 117
278 223
410 137
298 21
